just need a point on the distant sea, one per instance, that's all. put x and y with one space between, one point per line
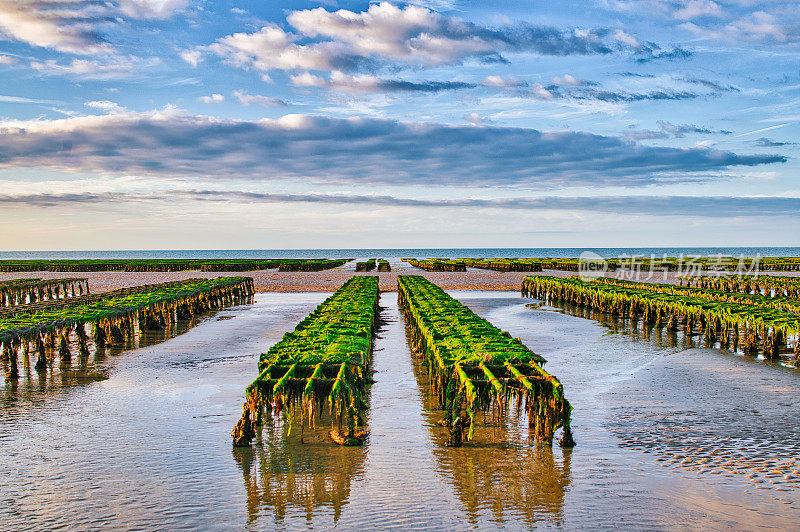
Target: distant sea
401 253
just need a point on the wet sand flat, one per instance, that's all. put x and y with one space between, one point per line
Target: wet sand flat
709 437
328 280
275 281
670 436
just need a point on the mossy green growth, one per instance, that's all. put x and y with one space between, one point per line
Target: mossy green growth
338 330
365 266
732 319
168 265
474 365
438 265
20 324
323 360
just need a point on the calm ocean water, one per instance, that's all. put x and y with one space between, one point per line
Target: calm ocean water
399 253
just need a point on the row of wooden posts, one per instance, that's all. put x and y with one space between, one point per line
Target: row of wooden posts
61 338
34 290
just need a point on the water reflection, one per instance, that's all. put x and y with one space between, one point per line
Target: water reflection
525 483
502 473
149 448
631 327
705 420
62 373
38 383
661 337
286 478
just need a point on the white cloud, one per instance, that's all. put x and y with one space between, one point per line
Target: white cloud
74 26
435 5
355 84
8 60
272 48
626 38
355 150
46 25
364 83
670 9
151 9
502 81
105 106
21 99
418 35
760 26
566 79
214 98
410 35
257 99
538 91
476 119
391 31
693 206
699 8
109 68
307 79
193 57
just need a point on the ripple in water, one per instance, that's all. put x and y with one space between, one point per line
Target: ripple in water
141 439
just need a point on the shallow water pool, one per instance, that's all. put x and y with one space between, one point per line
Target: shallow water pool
668 437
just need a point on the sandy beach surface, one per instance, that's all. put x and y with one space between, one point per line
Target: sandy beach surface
274 281
329 280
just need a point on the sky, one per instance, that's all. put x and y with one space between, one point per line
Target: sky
200 124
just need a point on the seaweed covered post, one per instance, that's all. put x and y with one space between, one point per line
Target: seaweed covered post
365 266
743 319
475 366
438 265
505 265
163 265
323 361
44 323
29 291
311 265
